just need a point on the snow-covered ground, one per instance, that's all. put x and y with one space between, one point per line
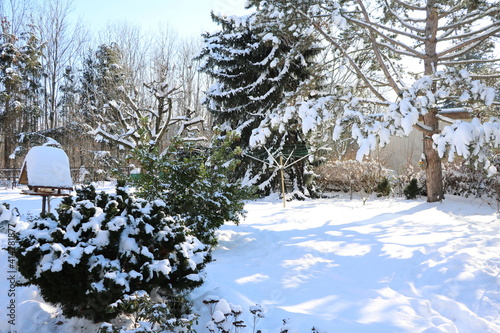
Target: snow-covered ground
390 265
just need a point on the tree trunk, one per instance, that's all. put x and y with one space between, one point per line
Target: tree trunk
433 171
434 174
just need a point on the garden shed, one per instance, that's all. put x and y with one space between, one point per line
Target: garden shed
46 172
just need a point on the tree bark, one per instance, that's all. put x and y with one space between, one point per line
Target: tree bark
434 174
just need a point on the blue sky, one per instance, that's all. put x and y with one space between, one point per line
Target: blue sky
187 17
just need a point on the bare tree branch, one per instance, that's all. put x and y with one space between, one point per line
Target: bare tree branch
404 23
378 55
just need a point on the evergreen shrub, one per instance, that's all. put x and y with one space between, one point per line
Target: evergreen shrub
194 182
105 246
412 190
383 188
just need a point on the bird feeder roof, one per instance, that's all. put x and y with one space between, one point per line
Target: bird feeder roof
46 166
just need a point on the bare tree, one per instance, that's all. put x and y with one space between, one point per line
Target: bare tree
144 107
63 43
17 12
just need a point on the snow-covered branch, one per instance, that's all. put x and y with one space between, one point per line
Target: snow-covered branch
468 61
402 117
409 6
375 27
185 124
352 63
468 139
484 32
472 42
413 53
99 131
404 22
469 18
463 50
378 55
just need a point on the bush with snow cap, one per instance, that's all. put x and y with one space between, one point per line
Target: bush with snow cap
225 317
105 246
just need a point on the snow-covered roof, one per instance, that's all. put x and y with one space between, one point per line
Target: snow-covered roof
46 167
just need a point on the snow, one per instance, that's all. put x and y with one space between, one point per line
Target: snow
390 265
48 166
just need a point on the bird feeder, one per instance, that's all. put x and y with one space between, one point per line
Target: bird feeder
46 172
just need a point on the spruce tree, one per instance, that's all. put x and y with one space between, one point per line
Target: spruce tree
263 65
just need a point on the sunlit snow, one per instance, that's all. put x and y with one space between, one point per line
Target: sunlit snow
389 265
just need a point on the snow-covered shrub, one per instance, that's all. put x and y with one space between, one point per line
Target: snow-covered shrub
351 176
193 182
465 180
225 317
149 316
5 216
105 246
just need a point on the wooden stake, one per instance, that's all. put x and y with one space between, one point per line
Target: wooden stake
282 181
44 200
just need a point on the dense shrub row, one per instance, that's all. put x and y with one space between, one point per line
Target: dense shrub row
459 178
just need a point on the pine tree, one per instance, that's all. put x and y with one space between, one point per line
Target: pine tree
194 182
102 78
103 247
263 65
439 36
20 75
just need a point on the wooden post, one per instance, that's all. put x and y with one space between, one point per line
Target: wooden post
282 181
44 201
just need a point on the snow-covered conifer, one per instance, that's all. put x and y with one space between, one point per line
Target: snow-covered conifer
264 66
194 183
21 74
105 246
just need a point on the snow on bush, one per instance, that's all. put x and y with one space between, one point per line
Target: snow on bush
226 317
464 180
105 246
149 316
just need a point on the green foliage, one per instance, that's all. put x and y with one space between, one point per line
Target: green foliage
412 191
383 188
106 246
194 183
263 64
